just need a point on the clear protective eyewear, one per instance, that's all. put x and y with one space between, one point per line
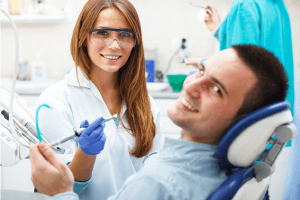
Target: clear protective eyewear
105 36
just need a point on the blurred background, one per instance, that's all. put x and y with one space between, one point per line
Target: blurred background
163 22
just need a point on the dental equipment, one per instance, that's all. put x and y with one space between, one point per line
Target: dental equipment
22 120
18 133
79 131
36 121
199 6
23 124
243 155
202 7
22 132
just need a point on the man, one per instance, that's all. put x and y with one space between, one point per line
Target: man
265 23
228 86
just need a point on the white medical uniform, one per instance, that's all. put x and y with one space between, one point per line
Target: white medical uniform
71 105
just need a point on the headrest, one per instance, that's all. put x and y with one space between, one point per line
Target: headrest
247 138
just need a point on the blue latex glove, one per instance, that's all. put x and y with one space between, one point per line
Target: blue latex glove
92 139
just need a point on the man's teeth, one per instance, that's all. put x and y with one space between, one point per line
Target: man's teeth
112 57
184 102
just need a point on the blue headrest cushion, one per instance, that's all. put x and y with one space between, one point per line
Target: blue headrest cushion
232 184
242 124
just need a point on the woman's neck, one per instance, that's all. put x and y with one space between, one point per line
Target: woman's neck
104 80
107 84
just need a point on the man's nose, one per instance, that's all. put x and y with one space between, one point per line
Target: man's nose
196 86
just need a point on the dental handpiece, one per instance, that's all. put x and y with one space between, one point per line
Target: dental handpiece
23 122
79 131
202 7
27 133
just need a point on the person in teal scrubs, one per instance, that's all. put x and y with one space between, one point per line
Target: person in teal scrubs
265 23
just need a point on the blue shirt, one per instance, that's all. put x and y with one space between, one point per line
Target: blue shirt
181 170
265 23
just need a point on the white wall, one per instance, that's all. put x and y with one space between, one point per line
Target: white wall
162 21
293 7
52 40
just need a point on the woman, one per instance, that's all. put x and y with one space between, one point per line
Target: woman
109 78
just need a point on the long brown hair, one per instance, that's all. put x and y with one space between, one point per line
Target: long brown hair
131 77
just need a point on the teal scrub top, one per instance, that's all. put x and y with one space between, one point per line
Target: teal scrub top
265 23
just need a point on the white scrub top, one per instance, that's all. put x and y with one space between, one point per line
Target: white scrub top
71 105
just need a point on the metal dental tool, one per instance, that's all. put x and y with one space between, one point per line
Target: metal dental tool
79 131
16 121
205 8
23 131
17 130
23 121
199 6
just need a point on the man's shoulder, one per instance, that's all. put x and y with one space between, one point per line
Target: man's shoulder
159 167
137 187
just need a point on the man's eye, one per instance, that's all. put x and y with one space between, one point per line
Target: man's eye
217 89
201 71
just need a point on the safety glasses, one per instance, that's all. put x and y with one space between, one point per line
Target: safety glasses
105 36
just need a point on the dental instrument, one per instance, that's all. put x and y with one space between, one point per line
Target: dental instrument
205 8
79 131
21 132
11 125
36 121
26 132
202 7
5 124
27 129
199 6
23 121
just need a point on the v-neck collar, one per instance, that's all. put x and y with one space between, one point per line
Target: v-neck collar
71 79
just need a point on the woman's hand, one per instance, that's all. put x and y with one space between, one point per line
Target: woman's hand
92 139
212 19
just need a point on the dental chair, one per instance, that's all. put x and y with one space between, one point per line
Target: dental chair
244 142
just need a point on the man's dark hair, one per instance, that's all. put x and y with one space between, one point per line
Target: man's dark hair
272 84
